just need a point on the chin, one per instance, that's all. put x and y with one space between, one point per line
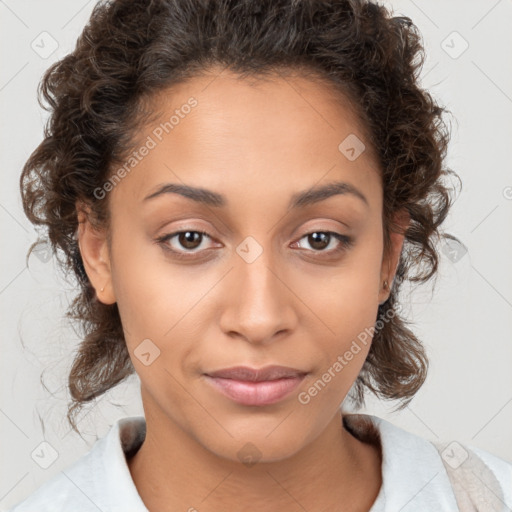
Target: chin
257 444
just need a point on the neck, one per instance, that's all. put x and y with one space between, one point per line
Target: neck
336 471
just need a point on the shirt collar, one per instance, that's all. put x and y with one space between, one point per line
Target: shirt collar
413 474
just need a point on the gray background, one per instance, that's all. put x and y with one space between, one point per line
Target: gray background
466 324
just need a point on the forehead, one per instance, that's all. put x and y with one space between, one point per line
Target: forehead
282 133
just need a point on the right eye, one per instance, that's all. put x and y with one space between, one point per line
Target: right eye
184 242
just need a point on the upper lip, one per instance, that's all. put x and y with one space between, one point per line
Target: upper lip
257 374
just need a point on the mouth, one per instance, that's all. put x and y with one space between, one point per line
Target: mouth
256 387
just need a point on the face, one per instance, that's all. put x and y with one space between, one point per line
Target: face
252 270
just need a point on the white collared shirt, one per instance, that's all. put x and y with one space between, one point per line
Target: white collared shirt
414 478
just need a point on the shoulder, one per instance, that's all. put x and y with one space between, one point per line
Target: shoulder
56 494
72 488
419 474
99 480
500 467
478 476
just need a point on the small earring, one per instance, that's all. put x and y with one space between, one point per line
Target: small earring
102 289
385 285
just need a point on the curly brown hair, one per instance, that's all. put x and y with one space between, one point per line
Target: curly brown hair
132 49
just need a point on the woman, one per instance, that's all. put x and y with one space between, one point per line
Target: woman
241 188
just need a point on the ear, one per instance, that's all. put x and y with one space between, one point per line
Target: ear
391 256
93 245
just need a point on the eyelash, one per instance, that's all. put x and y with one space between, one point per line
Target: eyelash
346 243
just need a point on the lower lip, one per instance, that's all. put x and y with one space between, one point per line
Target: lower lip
255 393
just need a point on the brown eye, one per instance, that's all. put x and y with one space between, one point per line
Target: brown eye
319 240
184 243
189 239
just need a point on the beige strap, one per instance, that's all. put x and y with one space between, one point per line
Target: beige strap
475 486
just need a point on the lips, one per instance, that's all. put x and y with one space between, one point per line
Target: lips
245 373
256 387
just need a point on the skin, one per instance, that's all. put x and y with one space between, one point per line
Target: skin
294 305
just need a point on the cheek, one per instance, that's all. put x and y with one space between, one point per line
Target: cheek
346 297
144 290
347 303
157 301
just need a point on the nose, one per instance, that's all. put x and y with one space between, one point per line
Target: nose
260 303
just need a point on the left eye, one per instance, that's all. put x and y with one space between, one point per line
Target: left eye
320 240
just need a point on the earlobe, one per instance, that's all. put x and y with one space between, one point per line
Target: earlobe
93 245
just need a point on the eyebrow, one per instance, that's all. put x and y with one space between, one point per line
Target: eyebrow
299 199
